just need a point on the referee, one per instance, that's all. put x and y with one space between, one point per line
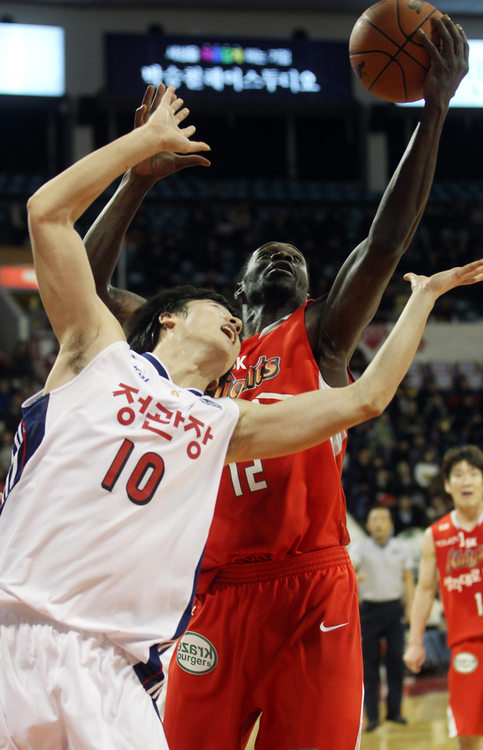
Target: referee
384 568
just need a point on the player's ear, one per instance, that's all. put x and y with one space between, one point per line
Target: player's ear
211 387
239 293
447 488
167 320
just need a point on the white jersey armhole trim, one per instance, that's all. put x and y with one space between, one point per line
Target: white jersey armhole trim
273 326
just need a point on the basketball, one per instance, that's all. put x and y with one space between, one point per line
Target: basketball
386 53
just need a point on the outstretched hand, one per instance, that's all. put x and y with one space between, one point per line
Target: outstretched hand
167 162
449 64
442 282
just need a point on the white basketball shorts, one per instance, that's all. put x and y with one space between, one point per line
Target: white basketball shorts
62 688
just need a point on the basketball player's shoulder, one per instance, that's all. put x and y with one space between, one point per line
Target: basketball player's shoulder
443 525
444 532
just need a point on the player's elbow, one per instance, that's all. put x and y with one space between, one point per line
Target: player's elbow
37 212
374 406
42 210
33 208
370 403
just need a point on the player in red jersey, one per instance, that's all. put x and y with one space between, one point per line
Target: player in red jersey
453 554
277 596
277 605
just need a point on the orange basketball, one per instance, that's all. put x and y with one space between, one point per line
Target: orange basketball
385 51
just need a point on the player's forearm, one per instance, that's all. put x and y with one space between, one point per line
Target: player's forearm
405 198
307 419
420 611
104 239
381 378
408 595
295 424
357 291
67 196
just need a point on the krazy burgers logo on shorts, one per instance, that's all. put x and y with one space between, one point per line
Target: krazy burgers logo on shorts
196 654
465 662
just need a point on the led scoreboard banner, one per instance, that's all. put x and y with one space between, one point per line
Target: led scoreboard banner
216 69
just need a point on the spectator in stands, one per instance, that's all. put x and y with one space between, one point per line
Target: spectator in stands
407 515
383 488
404 482
439 505
21 362
6 443
426 469
410 421
5 395
12 416
402 448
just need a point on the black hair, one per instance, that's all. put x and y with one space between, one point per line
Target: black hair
144 327
470 453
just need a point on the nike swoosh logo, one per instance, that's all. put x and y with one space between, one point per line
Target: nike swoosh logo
333 627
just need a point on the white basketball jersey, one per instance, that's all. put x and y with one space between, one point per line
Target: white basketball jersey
109 500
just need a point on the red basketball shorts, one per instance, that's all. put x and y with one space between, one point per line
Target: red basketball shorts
465 682
276 639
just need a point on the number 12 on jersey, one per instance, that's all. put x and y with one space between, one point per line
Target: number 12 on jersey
251 472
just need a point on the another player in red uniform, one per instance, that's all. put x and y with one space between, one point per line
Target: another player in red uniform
453 554
277 606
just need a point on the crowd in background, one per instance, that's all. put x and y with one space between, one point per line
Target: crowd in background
394 460
201 231
190 231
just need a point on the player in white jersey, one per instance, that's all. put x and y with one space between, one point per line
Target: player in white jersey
115 470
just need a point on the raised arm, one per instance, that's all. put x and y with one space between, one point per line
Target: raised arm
104 239
425 593
357 290
307 419
81 322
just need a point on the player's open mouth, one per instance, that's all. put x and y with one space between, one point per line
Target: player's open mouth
230 332
282 265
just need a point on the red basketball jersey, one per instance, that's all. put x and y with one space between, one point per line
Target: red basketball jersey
269 509
459 556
